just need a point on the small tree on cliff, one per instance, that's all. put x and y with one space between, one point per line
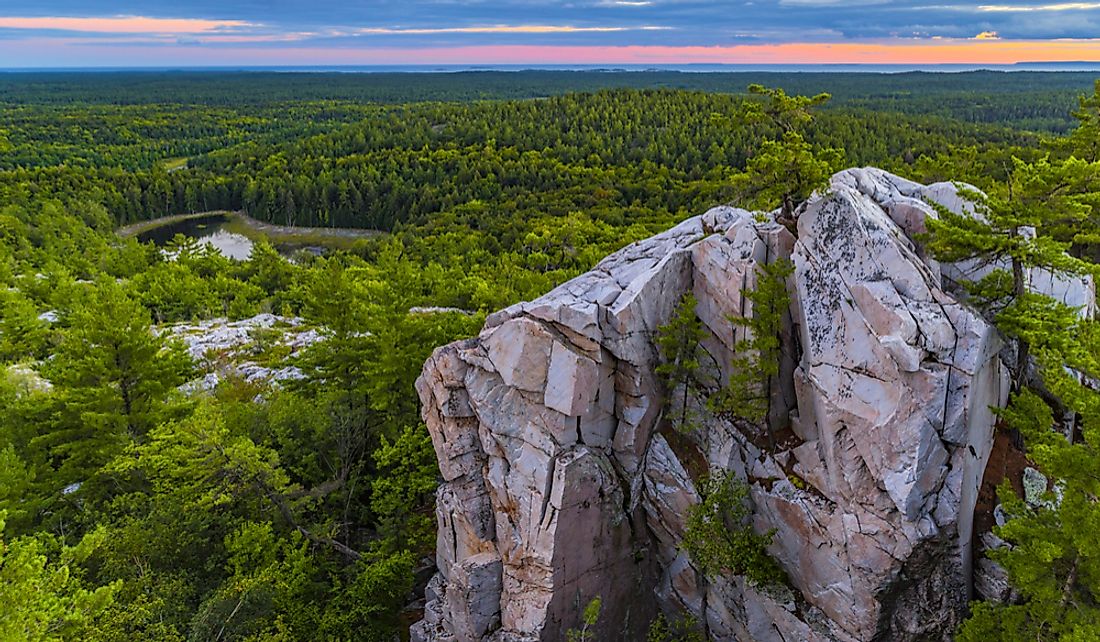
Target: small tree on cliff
785 170
1054 558
589 618
1012 228
774 107
747 396
679 342
720 539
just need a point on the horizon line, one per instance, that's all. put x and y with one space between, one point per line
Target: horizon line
532 66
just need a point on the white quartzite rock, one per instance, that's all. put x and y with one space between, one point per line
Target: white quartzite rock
558 487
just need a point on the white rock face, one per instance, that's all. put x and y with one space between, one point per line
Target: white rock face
907 205
562 483
228 348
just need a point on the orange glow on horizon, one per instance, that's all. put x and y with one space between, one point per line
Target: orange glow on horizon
978 51
206 50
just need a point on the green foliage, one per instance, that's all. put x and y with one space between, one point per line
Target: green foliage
1084 141
589 618
23 334
685 376
786 113
115 381
720 539
786 170
368 607
747 395
682 630
1054 561
43 601
1016 226
406 482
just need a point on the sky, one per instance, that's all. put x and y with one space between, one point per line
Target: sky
184 33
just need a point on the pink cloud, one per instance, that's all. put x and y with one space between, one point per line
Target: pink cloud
122 24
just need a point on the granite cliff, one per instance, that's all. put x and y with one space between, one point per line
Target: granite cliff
561 482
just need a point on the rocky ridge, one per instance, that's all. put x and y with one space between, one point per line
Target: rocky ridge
236 349
561 483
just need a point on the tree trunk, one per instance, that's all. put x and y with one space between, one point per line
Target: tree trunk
1023 348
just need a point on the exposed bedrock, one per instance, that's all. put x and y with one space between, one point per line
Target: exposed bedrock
561 484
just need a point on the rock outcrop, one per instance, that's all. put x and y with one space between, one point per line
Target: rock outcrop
223 348
561 482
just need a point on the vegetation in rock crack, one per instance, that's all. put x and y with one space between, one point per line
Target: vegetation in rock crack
589 618
686 375
756 364
664 629
719 536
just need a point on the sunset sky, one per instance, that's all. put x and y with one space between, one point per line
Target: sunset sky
129 33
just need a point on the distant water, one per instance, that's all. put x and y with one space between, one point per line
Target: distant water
208 230
689 68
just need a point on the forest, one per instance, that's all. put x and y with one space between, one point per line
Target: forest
133 508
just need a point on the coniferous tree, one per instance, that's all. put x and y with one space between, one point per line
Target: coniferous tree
1052 551
683 371
786 169
1084 141
1010 229
1053 557
115 376
747 396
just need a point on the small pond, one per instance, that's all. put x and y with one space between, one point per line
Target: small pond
220 232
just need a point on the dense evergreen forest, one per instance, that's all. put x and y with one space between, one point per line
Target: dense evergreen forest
133 508
1035 100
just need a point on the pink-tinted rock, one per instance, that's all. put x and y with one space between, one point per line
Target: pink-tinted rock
548 430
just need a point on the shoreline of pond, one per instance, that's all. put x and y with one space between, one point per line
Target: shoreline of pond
241 223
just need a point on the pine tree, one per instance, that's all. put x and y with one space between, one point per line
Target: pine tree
720 539
786 170
684 375
1054 558
114 378
1011 228
1084 141
747 396
786 113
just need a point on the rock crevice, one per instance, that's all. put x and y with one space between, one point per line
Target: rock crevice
562 484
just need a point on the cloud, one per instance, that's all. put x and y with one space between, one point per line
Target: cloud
532 29
437 26
1025 8
831 3
123 24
